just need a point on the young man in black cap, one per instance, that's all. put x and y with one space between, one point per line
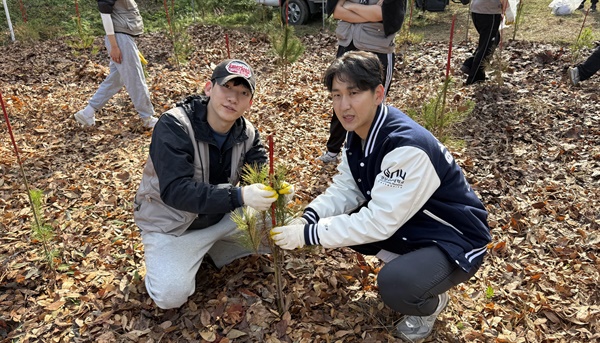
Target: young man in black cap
190 183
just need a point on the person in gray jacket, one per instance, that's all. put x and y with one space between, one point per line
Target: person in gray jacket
365 25
399 195
190 184
122 23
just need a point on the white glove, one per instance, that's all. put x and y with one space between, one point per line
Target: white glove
258 197
287 190
298 221
288 237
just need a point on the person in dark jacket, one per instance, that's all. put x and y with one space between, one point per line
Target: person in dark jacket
586 69
122 22
190 184
400 195
366 25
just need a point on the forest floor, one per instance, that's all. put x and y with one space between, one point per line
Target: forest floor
530 148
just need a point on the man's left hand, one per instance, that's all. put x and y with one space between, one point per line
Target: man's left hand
288 237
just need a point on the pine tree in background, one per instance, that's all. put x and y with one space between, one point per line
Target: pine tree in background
287 47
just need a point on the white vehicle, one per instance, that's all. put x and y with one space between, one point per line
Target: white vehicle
298 11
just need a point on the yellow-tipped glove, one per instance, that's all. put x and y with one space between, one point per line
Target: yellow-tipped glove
258 196
288 237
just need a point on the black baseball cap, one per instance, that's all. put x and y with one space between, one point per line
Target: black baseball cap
230 69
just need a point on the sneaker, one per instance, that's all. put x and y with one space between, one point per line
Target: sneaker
465 69
149 122
328 157
574 75
85 119
416 328
593 8
580 6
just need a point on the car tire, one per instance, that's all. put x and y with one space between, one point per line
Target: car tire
297 12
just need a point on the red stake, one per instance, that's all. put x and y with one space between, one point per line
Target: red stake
23 11
227 45
270 140
450 47
12 137
168 17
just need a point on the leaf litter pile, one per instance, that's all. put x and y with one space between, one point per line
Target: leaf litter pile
531 150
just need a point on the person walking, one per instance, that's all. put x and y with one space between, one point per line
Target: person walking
592 7
487 17
399 195
122 23
190 184
367 25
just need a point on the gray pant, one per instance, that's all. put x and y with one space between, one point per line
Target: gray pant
128 73
410 283
173 261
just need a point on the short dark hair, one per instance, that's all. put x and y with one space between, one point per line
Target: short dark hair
359 67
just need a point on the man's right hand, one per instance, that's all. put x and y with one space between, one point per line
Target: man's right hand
258 196
115 54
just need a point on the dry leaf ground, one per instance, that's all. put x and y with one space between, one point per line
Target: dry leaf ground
531 150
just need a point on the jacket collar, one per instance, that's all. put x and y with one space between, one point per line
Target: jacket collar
381 115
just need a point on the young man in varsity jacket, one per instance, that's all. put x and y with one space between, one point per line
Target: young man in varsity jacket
399 195
190 184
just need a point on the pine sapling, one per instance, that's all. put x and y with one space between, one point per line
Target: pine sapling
287 47
435 115
255 226
41 231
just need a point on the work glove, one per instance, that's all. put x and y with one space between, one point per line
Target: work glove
298 221
258 196
288 237
287 190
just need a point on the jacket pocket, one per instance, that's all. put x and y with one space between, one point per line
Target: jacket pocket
155 216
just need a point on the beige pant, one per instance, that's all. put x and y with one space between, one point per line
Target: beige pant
172 262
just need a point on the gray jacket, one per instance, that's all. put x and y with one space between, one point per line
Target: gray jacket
151 213
125 16
365 36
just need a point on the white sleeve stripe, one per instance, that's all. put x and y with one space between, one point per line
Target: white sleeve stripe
313 236
376 127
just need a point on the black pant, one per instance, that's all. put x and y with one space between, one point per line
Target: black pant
410 283
337 133
489 37
590 66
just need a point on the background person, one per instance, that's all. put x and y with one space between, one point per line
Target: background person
367 25
400 195
487 17
122 22
587 69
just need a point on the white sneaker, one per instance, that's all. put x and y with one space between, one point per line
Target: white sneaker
416 328
149 122
574 75
85 119
328 157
